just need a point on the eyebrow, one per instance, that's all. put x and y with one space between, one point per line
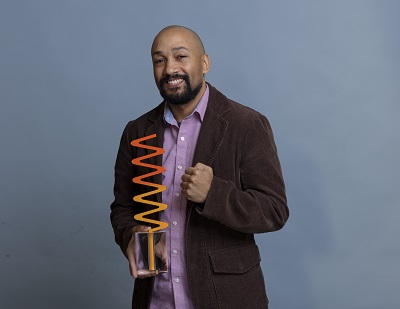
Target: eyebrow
157 52
179 48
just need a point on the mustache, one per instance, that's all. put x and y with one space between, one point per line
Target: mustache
165 79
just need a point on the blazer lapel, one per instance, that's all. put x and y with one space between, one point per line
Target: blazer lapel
212 132
213 128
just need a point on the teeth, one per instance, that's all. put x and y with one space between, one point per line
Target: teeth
175 81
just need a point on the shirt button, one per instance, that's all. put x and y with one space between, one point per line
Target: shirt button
174 222
179 167
174 251
177 280
182 138
176 194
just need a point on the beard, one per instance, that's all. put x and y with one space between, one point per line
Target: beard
187 95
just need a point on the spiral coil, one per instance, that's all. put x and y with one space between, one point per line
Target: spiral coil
159 188
140 198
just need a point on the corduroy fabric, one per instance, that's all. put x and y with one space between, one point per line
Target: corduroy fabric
247 196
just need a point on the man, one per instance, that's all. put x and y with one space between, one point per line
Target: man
224 183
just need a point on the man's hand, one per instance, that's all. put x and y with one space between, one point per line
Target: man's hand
160 250
130 252
196 182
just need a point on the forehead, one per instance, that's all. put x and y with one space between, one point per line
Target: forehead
172 40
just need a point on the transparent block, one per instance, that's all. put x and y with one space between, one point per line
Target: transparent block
151 252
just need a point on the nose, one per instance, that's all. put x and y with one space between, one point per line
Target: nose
171 67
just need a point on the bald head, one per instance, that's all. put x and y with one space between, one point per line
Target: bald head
179 66
189 34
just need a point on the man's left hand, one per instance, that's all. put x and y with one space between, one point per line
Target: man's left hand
196 182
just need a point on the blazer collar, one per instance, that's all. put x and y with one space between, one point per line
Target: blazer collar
211 134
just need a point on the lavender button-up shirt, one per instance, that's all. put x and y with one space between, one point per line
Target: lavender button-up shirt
171 289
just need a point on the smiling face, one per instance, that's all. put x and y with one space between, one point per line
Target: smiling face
179 64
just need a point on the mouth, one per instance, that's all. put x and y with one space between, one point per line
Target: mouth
174 82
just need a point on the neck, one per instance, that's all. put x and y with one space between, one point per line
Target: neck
180 112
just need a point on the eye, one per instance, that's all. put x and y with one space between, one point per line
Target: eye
181 56
158 61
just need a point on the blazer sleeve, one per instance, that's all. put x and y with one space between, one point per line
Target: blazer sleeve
123 208
259 203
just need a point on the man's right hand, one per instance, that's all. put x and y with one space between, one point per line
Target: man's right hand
130 253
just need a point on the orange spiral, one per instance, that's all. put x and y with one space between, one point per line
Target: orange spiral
159 188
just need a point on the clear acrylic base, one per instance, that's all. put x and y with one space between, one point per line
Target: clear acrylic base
151 252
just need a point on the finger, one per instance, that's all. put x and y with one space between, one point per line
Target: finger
193 171
184 192
144 273
185 177
142 228
132 267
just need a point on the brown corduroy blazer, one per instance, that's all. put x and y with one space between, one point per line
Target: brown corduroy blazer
247 196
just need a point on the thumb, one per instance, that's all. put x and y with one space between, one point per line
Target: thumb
203 167
200 166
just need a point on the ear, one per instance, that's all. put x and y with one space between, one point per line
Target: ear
205 63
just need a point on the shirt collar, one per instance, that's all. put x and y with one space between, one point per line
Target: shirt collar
200 109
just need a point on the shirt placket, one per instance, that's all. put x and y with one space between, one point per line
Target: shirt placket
178 215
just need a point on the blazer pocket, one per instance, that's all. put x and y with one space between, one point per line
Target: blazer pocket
237 277
235 260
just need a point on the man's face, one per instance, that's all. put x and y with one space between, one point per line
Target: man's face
179 66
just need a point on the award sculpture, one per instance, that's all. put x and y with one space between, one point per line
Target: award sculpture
150 247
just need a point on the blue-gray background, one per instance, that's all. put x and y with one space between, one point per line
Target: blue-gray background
326 74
